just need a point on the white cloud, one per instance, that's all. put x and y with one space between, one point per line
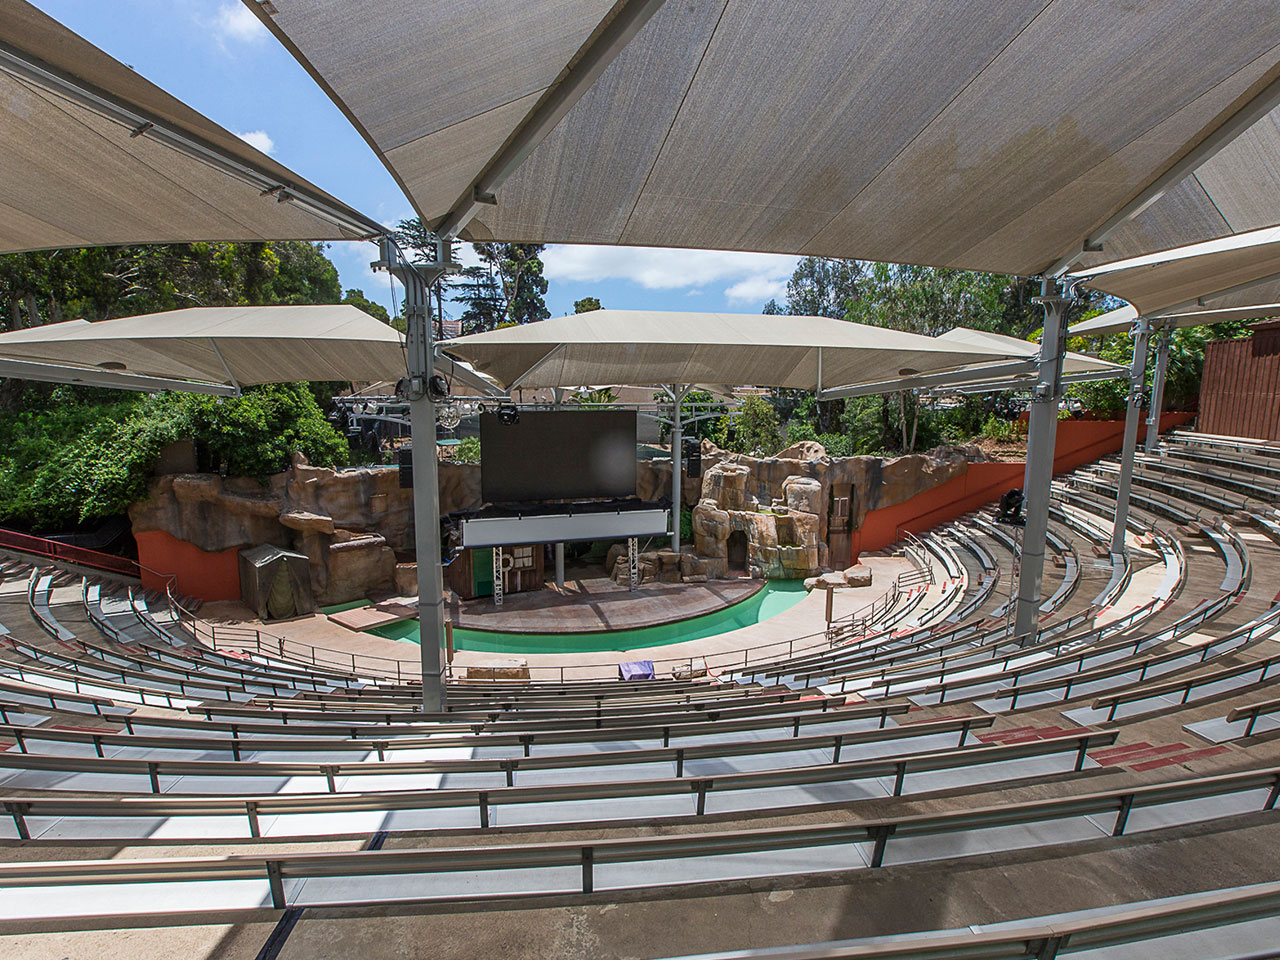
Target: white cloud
236 23
663 269
756 290
259 140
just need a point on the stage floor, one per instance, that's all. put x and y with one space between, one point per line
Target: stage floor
598 604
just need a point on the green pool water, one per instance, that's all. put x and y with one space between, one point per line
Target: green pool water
773 599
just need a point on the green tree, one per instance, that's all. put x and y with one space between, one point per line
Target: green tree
755 430
356 298
586 305
823 287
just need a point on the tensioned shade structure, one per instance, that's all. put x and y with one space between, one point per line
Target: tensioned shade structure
1230 192
1073 364
993 135
642 347
1220 271
202 347
1122 319
94 154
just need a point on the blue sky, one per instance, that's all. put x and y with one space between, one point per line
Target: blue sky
215 56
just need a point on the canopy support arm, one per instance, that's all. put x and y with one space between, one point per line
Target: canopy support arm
1137 386
1157 389
1011 368
1041 438
1244 118
577 78
235 384
418 280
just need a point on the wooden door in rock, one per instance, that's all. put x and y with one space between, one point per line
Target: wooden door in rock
840 526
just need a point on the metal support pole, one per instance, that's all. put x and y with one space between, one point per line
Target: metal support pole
678 394
499 581
1041 437
1137 387
633 563
426 483
560 565
1157 390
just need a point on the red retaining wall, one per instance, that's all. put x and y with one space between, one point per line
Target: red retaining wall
203 575
1079 442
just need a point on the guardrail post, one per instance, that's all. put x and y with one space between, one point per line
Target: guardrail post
1272 796
509 768
153 771
276 884
483 800
1081 753
1122 818
899 777
251 811
880 835
19 813
679 762
835 752
701 786
588 878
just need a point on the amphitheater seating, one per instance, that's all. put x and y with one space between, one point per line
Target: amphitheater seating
914 731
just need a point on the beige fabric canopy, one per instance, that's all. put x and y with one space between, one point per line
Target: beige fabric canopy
238 346
992 135
1073 364
652 347
1119 321
94 154
1230 193
1218 271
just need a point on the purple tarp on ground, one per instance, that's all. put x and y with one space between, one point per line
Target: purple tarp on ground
636 670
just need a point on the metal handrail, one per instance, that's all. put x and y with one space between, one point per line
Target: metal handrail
1048 939
587 855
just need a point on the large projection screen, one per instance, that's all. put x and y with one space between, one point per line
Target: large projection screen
558 455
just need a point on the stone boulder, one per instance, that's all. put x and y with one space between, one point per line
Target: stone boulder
725 484
803 450
858 576
803 494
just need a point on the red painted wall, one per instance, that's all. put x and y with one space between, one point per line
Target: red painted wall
203 575
1079 442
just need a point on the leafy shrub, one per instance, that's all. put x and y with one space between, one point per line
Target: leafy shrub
1000 430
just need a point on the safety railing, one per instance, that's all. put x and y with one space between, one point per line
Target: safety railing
586 857
65 553
1051 939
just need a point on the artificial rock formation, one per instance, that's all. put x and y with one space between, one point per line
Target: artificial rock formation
781 538
352 525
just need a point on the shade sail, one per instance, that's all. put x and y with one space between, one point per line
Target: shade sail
653 347
94 154
221 345
1217 271
993 135
1231 192
1073 364
1119 321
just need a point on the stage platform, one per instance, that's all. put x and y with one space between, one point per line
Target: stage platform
598 604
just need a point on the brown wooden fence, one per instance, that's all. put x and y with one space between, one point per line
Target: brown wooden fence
1240 388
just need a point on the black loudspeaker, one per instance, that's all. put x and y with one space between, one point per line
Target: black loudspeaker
693 457
404 461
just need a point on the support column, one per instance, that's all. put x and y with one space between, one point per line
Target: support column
1137 387
560 565
426 483
1157 390
633 563
678 393
1041 437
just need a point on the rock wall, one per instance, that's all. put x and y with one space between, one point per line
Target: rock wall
355 525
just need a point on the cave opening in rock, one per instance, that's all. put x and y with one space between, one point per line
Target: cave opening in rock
737 551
